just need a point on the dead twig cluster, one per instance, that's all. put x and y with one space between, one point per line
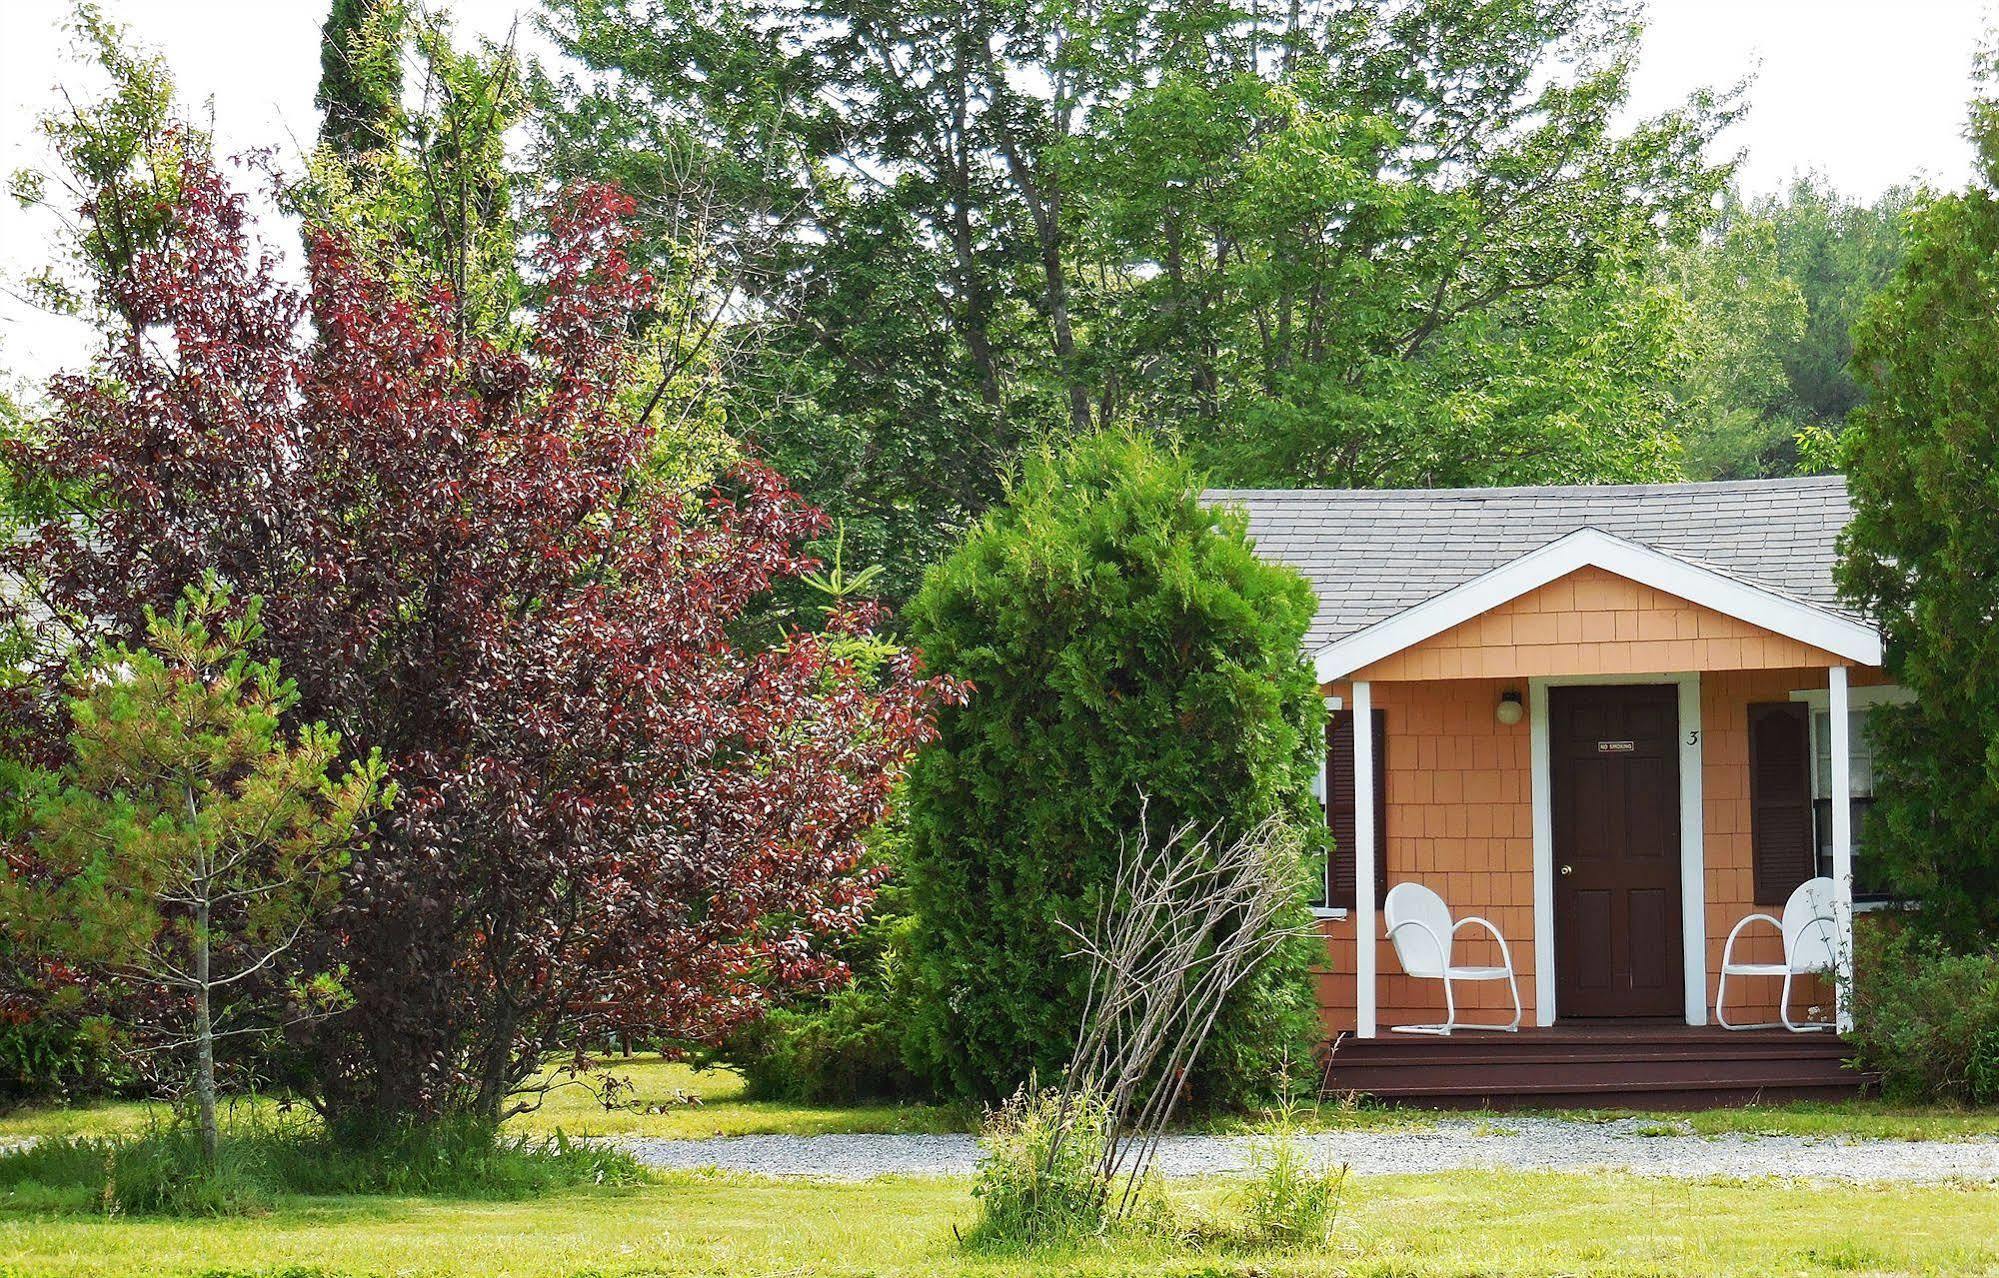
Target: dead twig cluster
1185 922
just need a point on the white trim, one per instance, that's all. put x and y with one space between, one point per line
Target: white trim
1693 837
1363 858
1332 913
1591 547
1842 840
1538 781
1693 851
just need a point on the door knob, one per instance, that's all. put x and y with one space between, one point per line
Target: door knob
1568 870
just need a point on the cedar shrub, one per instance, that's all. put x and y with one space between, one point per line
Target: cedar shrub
1123 640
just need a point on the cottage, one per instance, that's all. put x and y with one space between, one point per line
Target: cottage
1612 721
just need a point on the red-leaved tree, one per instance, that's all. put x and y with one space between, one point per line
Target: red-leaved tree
614 809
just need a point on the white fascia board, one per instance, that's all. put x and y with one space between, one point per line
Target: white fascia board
1592 547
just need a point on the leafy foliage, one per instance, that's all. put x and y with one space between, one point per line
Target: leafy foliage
1922 551
118 162
423 190
1927 1018
613 810
1335 242
1771 295
360 75
1122 639
53 1040
843 1051
190 844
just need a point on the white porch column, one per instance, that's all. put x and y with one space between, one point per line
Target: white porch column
1363 857
1841 790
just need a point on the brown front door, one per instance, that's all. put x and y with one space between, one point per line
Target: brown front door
1615 773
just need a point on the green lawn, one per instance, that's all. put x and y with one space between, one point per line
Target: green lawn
671 1100
1463 1223
666 1099
1855 1119
1458 1224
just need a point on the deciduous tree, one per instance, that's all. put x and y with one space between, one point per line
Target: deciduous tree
1330 242
617 805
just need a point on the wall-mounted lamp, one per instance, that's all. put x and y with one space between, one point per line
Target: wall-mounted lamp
1510 710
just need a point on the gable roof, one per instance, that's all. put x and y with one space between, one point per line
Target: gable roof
1374 555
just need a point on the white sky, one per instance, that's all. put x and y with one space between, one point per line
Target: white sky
1870 92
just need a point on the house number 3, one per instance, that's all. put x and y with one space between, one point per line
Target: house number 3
1693 736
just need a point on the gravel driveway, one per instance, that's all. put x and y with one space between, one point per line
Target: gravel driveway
1519 1144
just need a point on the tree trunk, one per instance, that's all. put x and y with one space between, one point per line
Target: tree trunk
204 1036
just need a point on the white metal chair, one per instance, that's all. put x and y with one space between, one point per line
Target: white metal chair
1810 930
1420 927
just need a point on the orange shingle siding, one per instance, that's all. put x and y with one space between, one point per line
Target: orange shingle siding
1460 818
1594 622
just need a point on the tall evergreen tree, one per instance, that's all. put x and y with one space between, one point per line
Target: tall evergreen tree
360 75
1771 296
1922 552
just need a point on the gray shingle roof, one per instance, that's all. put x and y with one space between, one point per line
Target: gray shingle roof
1371 554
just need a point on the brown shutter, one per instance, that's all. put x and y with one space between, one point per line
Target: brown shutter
1780 799
1340 809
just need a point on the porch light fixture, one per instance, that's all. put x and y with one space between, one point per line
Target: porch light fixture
1510 710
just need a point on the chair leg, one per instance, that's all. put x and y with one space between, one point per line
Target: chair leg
1442 1029
1451 1021
1721 1008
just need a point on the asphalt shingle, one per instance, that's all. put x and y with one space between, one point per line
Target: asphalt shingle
1371 554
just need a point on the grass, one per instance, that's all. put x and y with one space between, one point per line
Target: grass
1461 1224
671 1100
1847 1120
160 1172
1836 1120
665 1099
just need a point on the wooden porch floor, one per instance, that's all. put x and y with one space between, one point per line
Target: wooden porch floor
1636 1064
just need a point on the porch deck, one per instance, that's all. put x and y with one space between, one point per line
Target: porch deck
1577 1064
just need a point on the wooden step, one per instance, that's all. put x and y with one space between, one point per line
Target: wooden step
1639 1065
1562 1055
1638 1097
1396 1082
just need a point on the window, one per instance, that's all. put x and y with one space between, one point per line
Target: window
1867 884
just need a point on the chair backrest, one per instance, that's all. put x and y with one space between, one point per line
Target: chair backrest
1811 927
1420 953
